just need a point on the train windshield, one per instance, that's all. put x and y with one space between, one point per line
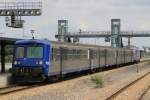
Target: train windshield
20 52
34 52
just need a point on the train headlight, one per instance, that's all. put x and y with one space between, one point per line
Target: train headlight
40 62
15 62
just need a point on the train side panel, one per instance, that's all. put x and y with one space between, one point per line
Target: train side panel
76 60
66 59
111 57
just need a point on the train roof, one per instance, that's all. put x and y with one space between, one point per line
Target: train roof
47 42
83 45
27 41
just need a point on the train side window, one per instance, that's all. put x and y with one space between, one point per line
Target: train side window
78 54
57 54
103 52
70 54
84 54
74 54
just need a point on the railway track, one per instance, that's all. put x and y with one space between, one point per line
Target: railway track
144 93
17 88
113 96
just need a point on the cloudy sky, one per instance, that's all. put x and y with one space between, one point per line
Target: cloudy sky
90 15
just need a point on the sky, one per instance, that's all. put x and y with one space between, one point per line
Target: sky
88 15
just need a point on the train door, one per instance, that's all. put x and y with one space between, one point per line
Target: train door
121 56
112 56
96 58
117 57
54 67
102 57
99 57
105 55
63 59
132 55
108 57
124 56
91 58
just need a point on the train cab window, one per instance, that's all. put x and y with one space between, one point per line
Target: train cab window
20 52
55 54
35 52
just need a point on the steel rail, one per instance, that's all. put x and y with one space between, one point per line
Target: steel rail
126 87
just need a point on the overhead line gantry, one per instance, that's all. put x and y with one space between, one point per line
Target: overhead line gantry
15 10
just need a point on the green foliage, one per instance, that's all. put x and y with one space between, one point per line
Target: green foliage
9 50
8 53
98 80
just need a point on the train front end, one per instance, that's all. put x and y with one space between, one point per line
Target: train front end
30 60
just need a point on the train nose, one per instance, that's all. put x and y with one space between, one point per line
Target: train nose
27 63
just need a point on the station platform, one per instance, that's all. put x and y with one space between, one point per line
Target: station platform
5 78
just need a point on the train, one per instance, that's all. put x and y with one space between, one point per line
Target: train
36 60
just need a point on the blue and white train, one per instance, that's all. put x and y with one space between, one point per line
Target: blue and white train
36 60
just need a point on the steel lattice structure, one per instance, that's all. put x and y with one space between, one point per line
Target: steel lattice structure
15 10
102 34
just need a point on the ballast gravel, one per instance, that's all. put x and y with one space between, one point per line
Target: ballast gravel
83 88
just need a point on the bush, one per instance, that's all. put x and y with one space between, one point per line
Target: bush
98 80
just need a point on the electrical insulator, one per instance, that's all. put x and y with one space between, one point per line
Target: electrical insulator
12 20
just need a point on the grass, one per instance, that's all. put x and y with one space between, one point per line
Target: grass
98 80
